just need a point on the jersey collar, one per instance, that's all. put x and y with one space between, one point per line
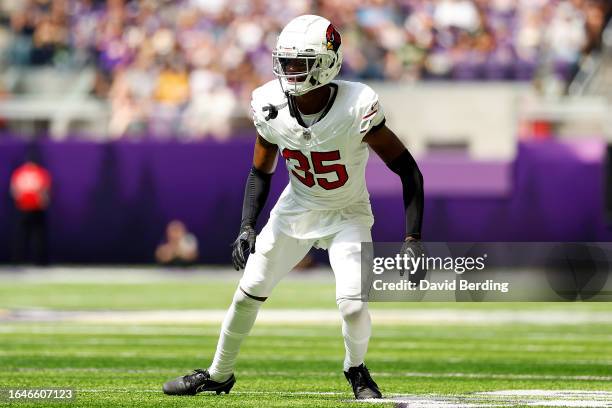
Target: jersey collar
294 111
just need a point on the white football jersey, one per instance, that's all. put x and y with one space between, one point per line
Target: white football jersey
326 161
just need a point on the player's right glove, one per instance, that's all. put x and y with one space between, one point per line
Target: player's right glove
243 246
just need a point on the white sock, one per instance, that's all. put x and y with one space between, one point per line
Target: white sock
356 329
236 326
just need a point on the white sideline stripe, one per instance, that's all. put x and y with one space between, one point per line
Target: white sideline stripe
547 393
502 393
564 403
551 377
552 398
419 402
507 376
90 328
137 275
316 316
387 334
387 345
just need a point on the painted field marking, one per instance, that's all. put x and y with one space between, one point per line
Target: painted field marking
382 344
314 316
548 398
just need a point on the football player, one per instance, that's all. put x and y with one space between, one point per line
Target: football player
322 128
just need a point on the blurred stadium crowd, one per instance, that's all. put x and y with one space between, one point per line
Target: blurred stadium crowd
188 67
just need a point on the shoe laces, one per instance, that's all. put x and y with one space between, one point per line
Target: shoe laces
363 377
198 374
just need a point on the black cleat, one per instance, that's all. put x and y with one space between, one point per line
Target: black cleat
363 385
198 381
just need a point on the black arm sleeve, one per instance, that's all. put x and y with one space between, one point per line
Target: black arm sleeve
412 182
255 195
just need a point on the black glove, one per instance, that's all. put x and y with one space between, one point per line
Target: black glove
414 249
243 246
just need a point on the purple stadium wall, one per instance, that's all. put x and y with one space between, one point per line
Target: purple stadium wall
111 201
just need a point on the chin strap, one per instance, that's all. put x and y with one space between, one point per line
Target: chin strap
273 110
291 104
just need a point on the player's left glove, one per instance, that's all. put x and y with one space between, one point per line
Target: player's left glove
243 246
413 248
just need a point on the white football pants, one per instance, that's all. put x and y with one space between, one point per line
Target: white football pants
275 256
277 253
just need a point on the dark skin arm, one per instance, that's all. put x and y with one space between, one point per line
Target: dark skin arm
389 148
265 155
385 143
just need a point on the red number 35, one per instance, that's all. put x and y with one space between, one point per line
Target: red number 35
308 178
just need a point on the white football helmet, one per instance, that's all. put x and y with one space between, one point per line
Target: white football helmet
308 54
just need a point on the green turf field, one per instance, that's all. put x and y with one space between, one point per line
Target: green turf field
439 361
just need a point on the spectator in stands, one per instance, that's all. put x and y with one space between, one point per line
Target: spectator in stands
155 54
21 44
595 20
30 189
461 14
566 33
180 248
171 96
212 105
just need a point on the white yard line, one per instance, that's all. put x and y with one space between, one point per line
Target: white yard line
552 398
195 331
422 346
550 377
314 316
548 393
139 275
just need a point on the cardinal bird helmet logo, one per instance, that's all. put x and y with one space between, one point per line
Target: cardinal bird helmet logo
333 38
